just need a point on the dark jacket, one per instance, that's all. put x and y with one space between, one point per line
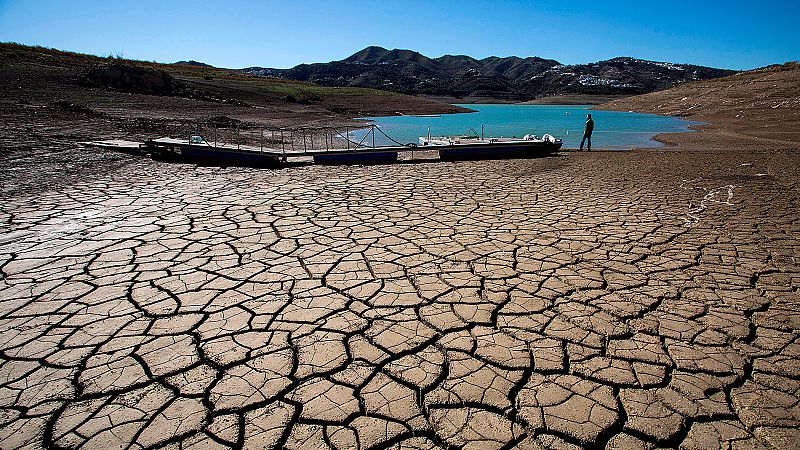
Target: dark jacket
589 127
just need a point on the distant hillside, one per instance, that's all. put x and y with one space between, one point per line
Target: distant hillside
511 78
186 90
192 62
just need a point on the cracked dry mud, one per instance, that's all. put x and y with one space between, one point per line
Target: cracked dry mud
600 300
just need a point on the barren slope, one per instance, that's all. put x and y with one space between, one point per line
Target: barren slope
47 105
763 104
39 75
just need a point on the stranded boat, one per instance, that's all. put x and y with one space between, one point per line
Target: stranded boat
478 147
330 146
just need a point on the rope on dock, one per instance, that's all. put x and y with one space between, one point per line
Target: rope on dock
389 137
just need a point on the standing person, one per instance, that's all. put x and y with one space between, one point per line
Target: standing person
587 132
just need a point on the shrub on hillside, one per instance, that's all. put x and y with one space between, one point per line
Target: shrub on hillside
135 79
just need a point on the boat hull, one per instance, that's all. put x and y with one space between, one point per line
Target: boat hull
218 156
388 157
467 152
228 155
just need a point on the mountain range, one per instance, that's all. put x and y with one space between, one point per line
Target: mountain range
509 78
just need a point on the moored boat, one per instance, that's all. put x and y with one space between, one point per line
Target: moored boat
459 148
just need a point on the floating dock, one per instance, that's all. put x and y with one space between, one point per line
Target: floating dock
177 149
198 149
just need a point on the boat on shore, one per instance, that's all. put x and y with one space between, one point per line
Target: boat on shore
474 147
445 148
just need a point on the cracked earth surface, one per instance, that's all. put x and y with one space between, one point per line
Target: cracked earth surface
579 301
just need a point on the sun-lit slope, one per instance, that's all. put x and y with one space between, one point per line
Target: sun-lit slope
40 75
763 103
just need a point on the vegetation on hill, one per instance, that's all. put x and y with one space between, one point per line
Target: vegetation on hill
510 78
120 86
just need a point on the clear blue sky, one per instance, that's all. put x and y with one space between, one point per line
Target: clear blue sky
730 34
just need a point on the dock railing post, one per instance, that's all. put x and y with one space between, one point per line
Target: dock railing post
347 136
373 136
215 134
238 136
283 144
304 139
262 138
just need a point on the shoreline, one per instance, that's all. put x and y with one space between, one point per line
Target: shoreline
760 106
688 127
562 99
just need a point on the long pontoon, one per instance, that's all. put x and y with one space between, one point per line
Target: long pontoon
259 146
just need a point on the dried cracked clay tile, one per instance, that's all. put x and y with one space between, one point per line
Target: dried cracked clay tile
545 303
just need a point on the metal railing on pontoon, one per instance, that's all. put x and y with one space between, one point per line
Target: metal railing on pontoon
288 141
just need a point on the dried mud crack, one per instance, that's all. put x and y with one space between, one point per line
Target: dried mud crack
580 301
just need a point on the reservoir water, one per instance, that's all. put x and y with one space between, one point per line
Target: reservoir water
612 130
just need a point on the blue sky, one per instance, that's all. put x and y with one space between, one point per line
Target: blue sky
730 34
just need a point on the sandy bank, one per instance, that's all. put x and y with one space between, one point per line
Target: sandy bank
754 108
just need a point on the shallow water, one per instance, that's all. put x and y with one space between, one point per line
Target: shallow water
612 130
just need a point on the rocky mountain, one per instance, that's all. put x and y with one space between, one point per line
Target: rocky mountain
511 78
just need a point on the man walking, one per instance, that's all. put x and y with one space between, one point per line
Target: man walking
587 132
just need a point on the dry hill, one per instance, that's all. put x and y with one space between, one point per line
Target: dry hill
760 104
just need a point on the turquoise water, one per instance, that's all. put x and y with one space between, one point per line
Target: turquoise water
612 130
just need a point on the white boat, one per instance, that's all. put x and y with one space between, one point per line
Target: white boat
474 146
